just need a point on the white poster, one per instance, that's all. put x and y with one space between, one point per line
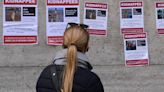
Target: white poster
58 15
160 17
131 17
96 17
20 22
136 49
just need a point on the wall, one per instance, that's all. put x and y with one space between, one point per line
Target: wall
20 66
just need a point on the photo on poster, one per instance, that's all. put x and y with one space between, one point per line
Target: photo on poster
127 13
160 13
137 11
90 14
55 14
71 12
141 43
101 13
29 11
12 14
131 45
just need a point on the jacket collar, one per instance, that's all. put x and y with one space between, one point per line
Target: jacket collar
83 61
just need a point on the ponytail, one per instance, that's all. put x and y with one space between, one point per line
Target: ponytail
69 70
75 39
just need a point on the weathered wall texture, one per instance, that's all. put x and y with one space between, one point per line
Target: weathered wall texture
20 66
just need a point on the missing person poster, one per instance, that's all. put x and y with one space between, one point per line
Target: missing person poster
136 49
59 13
96 17
160 17
20 22
131 17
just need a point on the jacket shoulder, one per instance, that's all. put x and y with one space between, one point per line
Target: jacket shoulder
44 82
84 78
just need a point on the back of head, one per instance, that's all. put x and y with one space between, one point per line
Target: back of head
75 39
77 36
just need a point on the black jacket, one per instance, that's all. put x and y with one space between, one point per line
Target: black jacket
84 81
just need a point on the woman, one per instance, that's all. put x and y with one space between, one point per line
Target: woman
77 75
13 16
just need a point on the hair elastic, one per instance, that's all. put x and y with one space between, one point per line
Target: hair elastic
72 44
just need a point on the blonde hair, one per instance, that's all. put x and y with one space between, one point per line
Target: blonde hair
75 39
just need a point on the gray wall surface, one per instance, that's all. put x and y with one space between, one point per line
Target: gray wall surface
20 66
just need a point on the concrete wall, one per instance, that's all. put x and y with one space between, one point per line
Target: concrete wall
20 66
